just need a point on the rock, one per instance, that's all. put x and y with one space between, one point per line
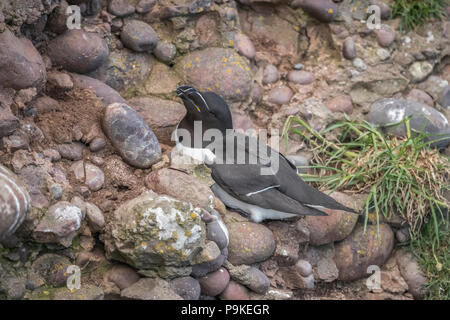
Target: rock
274 294
131 136
53 268
244 45
444 99
303 267
44 104
161 115
209 253
220 70
97 144
78 51
411 272
122 276
181 186
94 217
334 227
59 81
13 287
249 243
419 70
386 111
280 95
287 239
359 251
106 94
59 224
71 151
349 49
433 86
300 77
217 231
294 280
150 289
121 8
420 96
57 20
86 292
383 54
270 74
138 36
321 259
165 51
145 6
186 287
214 283
391 279
202 269
56 191
91 175
360 64
8 122
251 277
341 103
125 70
154 237
322 10
21 64
234 291
385 35
14 202
52 154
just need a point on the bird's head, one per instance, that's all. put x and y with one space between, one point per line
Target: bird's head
207 107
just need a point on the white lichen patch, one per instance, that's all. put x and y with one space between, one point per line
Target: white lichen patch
396 114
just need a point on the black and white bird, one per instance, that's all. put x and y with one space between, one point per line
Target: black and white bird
239 183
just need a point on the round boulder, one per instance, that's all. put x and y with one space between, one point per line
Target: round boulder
78 51
131 136
360 250
249 243
220 70
139 36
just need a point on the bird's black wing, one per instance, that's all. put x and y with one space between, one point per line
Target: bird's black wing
283 190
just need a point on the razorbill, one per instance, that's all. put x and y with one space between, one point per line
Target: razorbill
250 177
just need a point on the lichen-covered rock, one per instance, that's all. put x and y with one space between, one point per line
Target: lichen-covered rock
334 227
360 250
59 224
124 70
53 268
131 136
86 292
21 64
249 243
150 289
78 51
14 202
151 231
220 70
162 116
388 111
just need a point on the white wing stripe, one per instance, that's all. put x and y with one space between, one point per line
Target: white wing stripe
262 190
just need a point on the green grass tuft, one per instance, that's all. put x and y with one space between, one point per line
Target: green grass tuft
414 13
402 176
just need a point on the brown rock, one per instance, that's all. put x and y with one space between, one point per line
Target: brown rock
161 115
180 186
249 243
244 45
8 122
360 250
21 64
280 95
301 77
215 282
104 92
234 291
341 103
122 276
